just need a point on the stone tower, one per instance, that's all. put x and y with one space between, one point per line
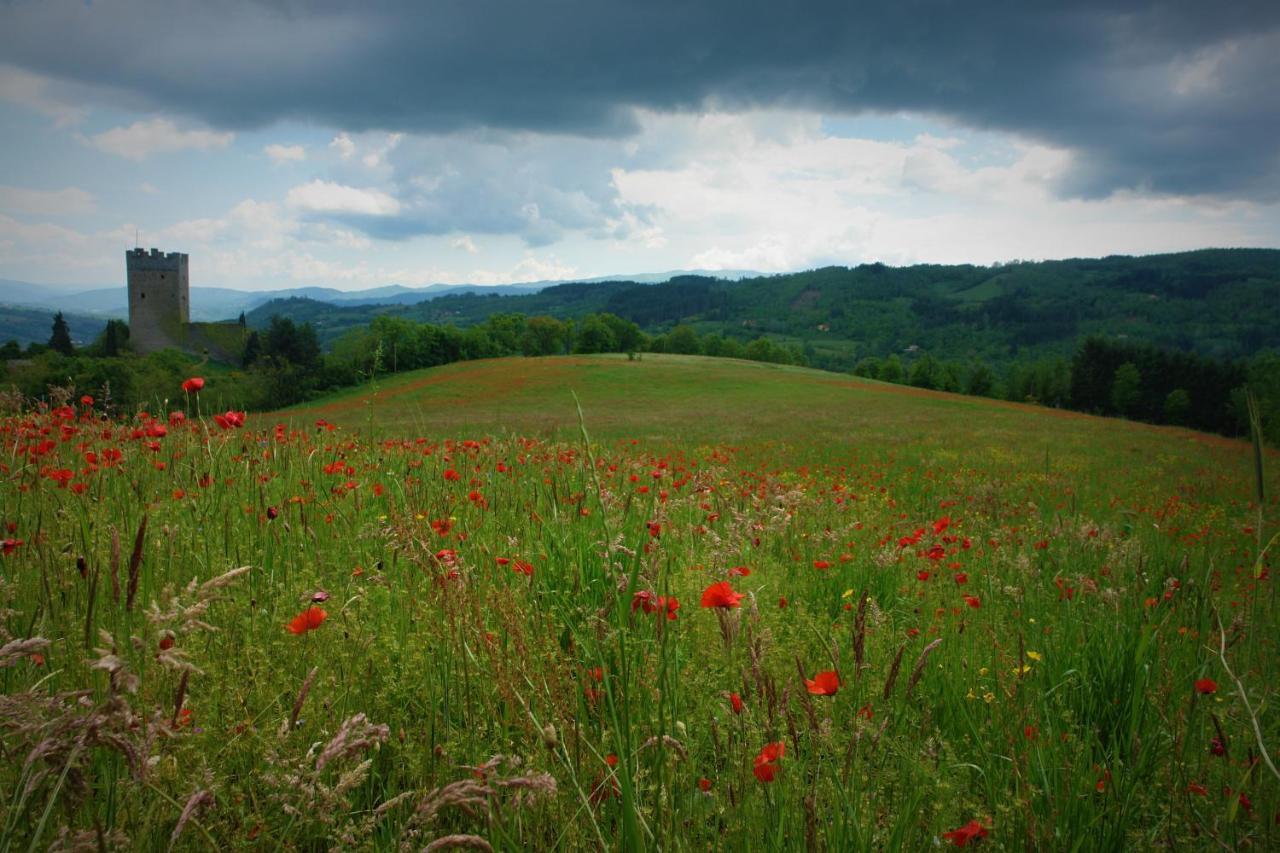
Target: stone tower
159 299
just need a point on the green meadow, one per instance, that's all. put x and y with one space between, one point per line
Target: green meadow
668 603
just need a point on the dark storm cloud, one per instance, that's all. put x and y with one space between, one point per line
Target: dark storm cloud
1175 97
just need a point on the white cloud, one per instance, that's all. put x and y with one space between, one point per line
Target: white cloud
343 145
328 197
286 153
64 202
377 156
157 136
465 243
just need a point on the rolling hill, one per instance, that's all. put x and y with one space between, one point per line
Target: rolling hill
1218 303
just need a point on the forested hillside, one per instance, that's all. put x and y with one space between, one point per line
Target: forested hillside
1220 303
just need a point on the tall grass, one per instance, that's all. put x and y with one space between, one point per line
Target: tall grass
1017 644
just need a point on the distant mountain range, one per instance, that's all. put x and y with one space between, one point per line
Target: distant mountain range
23 304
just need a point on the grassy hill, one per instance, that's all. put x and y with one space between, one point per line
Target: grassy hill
677 400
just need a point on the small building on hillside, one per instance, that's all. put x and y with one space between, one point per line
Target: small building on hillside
160 309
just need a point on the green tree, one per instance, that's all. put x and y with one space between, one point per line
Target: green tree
683 339
1126 388
60 340
543 336
626 334
252 350
891 370
114 337
594 336
10 351
1177 405
979 381
868 367
925 372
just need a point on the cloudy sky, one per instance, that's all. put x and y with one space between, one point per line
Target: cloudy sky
418 141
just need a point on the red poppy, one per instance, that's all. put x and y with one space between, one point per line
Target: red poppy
307 620
86 400
1206 686
704 784
824 683
192 385
229 419
520 567
766 764
735 703
821 564
941 525
644 599
739 572
720 595
969 832
9 546
973 601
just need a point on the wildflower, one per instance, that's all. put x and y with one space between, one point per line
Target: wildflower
1197 789
704 784
520 567
1036 656
307 620
766 764
1206 686
969 832
972 601
672 604
10 545
230 419
86 400
821 564
644 599
961 578
941 525
721 595
824 683
192 385
739 572
735 703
